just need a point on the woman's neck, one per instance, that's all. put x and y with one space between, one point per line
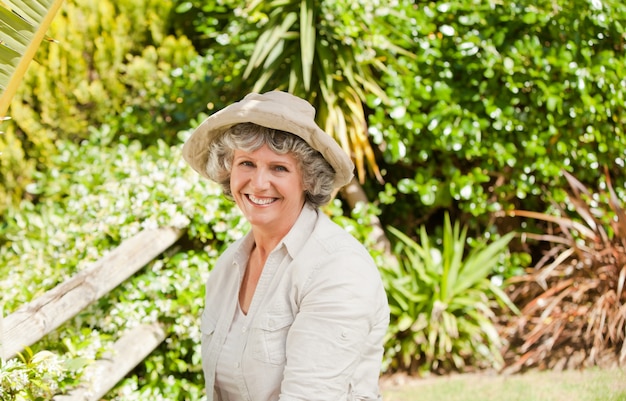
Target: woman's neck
266 240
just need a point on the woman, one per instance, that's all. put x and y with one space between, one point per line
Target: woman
296 309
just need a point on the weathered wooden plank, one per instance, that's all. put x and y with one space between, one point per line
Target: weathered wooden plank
106 372
34 320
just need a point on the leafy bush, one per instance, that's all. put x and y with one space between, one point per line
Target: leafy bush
442 303
92 198
498 99
112 65
32 376
573 302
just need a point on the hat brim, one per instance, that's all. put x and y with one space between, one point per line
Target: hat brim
277 110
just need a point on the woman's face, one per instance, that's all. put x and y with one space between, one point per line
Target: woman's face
268 188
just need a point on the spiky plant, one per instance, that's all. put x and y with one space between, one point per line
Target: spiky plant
442 303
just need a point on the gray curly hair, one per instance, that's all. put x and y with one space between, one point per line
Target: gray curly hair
317 173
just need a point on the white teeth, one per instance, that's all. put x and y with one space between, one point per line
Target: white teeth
261 201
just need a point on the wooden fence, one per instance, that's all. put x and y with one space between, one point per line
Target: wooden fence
33 321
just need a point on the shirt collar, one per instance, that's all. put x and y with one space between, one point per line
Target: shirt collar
293 241
301 230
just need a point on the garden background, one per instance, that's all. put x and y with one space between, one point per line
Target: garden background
490 149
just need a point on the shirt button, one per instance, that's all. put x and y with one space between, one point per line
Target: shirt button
236 365
244 329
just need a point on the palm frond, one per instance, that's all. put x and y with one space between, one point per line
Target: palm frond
23 24
307 41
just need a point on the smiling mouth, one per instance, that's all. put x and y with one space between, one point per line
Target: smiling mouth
260 201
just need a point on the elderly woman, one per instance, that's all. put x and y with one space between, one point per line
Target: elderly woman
296 309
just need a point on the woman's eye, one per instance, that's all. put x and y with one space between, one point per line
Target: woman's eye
281 168
246 163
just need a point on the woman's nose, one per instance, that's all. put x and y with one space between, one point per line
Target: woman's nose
260 179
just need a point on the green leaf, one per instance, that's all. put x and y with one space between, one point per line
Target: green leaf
23 25
479 264
268 40
307 40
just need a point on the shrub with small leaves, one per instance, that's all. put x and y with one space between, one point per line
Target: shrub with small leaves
32 376
90 200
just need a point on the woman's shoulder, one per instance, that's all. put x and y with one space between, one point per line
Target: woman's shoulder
334 258
330 247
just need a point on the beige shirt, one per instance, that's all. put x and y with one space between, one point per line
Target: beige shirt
316 323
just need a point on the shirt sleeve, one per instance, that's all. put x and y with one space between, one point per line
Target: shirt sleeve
342 305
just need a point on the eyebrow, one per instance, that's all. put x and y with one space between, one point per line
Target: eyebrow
284 160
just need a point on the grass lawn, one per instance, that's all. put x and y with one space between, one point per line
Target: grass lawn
587 385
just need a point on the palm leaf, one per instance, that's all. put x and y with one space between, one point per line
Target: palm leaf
267 41
453 249
502 298
23 24
307 41
480 262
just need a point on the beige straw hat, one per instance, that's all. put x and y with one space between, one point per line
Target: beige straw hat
277 110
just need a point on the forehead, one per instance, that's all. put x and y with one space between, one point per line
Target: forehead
264 153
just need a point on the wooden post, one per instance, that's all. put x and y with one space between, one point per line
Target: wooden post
106 372
34 320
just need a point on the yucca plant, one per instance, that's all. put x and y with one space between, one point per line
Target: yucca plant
573 301
443 302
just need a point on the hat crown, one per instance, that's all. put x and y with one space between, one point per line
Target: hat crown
284 99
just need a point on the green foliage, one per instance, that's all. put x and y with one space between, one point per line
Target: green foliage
442 302
220 34
500 98
112 64
91 199
109 58
34 376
